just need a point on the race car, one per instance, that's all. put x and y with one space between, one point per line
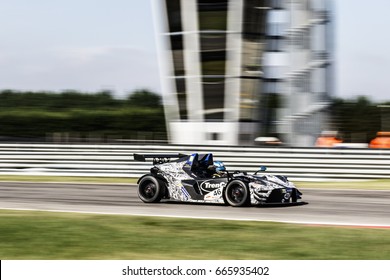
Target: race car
198 178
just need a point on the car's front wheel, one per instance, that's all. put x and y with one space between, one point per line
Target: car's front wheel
237 194
149 189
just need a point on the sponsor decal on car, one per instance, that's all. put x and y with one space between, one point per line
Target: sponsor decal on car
208 186
214 195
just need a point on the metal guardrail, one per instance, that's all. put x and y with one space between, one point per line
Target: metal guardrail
117 160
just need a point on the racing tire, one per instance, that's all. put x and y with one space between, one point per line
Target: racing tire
150 189
237 194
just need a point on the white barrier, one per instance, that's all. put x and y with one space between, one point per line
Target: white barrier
117 160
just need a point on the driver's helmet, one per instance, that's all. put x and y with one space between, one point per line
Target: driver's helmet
219 166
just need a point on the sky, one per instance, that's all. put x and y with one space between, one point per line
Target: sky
93 45
86 45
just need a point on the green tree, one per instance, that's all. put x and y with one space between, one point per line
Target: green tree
38 114
357 119
144 98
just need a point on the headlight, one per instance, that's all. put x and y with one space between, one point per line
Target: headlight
273 186
291 185
261 187
256 185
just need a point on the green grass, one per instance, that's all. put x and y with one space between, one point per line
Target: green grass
47 235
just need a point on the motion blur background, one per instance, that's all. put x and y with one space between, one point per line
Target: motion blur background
85 85
195 71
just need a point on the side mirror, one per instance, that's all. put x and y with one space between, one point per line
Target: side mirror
262 168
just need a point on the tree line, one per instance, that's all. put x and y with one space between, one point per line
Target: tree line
79 115
358 120
38 115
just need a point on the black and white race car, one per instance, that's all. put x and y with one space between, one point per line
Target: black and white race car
198 178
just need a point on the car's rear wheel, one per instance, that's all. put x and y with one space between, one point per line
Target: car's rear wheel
237 194
149 189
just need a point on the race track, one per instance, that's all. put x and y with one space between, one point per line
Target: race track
340 207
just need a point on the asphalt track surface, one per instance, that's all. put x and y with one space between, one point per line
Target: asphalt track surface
334 207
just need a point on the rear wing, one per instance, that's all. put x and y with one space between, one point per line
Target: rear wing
157 158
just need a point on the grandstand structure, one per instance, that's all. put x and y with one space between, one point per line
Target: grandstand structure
233 70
